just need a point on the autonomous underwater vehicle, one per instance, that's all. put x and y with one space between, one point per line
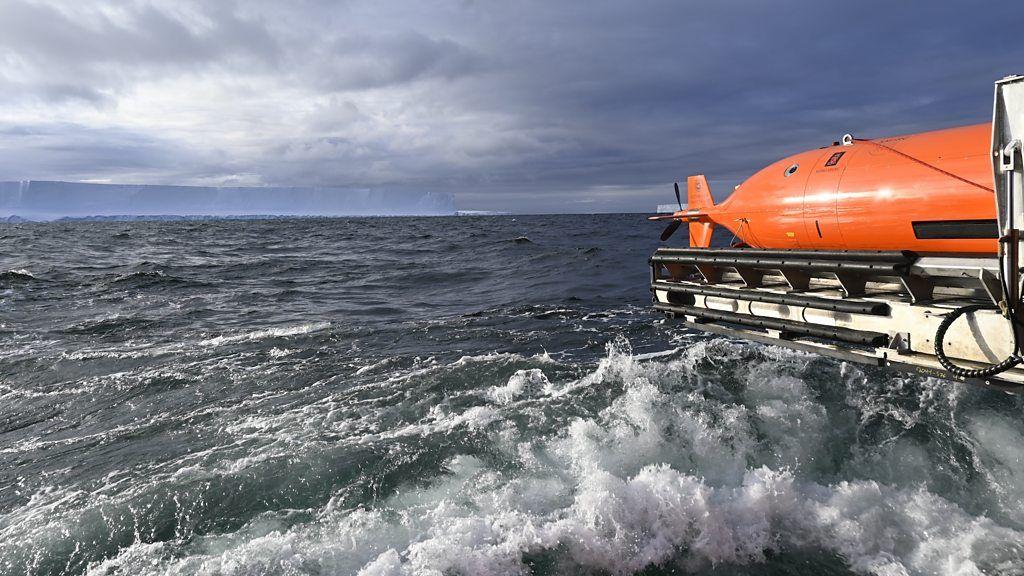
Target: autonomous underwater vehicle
903 252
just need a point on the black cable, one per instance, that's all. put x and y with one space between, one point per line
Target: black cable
940 335
1010 311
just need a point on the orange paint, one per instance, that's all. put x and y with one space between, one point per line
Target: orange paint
863 196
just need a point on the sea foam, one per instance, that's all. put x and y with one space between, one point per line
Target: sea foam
664 475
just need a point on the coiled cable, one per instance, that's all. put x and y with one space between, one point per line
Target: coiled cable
940 335
1010 306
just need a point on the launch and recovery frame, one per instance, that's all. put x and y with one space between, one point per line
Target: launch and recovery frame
884 308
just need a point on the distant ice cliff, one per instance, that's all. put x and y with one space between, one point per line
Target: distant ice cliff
47 200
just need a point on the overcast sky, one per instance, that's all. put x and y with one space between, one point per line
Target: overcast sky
513 105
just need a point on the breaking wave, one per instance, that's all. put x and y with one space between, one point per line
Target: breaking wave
280 332
686 468
12 278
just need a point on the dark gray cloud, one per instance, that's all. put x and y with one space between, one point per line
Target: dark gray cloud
57 151
525 106
139 34
57 51
359 61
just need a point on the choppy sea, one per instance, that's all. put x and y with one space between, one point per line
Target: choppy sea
465 395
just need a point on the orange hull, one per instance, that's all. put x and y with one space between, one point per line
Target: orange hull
929 192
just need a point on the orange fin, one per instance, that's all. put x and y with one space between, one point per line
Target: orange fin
698 197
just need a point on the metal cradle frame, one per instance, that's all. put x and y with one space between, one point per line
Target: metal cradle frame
879 308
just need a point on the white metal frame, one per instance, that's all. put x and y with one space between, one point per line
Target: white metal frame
1008 173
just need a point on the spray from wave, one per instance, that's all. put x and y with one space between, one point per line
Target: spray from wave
687 467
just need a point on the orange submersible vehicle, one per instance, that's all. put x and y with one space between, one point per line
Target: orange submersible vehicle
902 252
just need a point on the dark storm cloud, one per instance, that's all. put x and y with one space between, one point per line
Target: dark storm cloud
74 152
357 62
142 34
70 52
528 106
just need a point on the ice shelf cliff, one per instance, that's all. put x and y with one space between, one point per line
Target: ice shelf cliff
48 200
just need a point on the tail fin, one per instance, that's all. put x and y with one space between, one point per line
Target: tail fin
698 197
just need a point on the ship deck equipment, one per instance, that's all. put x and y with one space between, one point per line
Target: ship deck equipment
879 308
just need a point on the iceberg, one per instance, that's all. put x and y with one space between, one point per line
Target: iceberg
49 200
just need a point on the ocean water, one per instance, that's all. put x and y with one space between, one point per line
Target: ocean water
474 395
